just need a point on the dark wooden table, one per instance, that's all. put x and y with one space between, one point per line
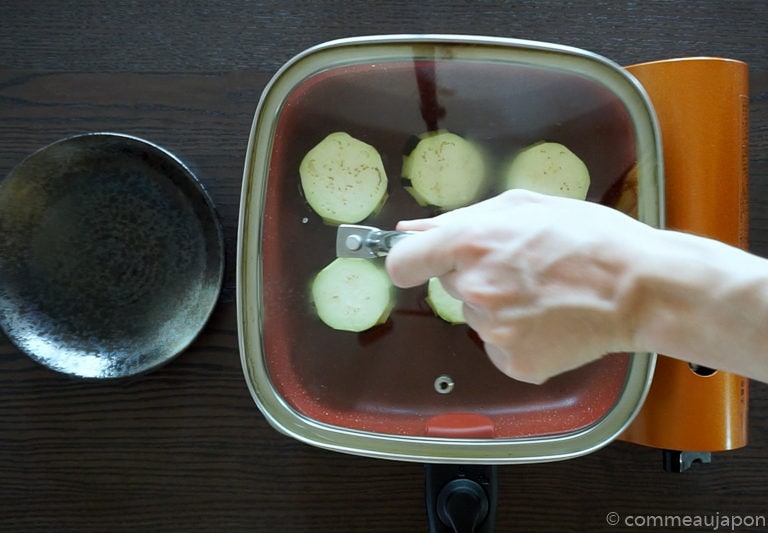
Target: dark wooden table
185 448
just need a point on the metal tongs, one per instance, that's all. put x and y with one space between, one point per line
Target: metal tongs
365 242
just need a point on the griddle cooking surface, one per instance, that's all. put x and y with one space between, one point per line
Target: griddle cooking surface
382 380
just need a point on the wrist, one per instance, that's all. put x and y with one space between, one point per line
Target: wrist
701 301
669 283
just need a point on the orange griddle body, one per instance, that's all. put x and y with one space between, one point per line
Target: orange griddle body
381 381
702 109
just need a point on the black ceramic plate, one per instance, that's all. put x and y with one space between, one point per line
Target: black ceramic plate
111 256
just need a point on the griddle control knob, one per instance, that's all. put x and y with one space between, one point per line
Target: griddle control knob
462 505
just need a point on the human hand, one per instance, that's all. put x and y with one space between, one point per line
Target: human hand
546 282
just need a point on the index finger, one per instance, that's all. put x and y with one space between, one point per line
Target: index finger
420 256
433 250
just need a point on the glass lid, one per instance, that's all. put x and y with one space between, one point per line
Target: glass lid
416 386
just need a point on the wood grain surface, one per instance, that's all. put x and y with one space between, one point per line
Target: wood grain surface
185 448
